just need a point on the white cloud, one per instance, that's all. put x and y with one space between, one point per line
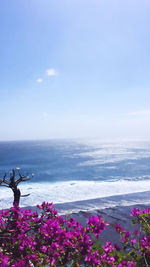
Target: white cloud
39 80
51 72
140 112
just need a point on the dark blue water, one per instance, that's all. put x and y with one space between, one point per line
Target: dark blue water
71 160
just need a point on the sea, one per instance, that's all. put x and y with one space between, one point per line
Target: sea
77 174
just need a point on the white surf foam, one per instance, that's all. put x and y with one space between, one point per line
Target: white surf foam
73 191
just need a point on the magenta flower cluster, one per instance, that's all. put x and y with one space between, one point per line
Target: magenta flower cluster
136 212
47 239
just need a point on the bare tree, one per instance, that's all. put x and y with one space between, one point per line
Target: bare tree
12 183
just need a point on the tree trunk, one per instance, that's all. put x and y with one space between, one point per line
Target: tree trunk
17 195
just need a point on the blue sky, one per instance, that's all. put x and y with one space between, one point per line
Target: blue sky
74 69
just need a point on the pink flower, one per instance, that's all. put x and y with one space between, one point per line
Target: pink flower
133 241
118 228
135 212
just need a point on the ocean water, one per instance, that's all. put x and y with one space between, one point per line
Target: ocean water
71 171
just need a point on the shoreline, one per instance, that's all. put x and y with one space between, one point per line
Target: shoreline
132 199
140 198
